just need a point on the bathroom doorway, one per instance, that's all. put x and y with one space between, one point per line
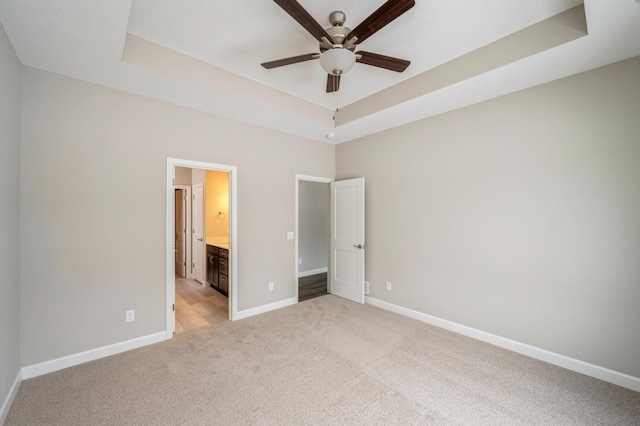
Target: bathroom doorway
205 302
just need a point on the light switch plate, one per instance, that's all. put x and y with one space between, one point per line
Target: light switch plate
289 235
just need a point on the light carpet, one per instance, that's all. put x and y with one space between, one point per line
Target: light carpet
325 361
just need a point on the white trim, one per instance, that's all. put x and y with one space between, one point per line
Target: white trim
314 178
91 355
563 361
312 272
297 212
266 308
170 267
172 163
6 404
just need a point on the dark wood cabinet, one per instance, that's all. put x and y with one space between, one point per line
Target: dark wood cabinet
223 270
218 268
212 266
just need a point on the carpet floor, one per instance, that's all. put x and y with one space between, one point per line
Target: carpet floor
324 361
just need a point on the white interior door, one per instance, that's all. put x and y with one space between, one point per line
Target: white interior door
181 232
197 210
347 239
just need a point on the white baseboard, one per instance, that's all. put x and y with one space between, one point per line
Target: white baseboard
312 272
265 308
611 376
6 404
90 355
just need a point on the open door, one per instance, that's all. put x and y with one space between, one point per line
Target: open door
347 239
197 254
181 232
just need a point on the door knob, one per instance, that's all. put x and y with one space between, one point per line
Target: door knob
359 246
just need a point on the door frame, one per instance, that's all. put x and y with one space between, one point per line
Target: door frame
187 220
297 231
170 273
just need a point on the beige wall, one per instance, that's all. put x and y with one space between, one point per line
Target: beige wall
217 204
93 203
183 176
9 217
313 225
519 216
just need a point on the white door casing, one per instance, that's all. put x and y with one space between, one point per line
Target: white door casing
181 231
197 210
347 239
170 281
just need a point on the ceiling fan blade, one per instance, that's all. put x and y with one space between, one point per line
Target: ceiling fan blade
381 17
333 83
289 61
382 61
297 12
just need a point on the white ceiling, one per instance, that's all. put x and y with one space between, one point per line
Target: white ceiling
229 39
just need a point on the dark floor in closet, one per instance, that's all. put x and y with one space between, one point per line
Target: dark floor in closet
312 286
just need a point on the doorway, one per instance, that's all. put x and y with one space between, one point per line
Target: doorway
190 285
346 237
312 230
200 301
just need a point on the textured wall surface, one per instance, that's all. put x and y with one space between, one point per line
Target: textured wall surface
313 225
9 217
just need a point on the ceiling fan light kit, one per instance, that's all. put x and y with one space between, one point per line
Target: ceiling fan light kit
337 61
337 44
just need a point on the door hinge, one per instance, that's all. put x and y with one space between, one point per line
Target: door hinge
193 197
173 182
174 307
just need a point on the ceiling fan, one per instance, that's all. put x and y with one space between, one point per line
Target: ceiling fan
338 43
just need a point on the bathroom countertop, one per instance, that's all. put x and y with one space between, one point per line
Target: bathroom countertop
217 243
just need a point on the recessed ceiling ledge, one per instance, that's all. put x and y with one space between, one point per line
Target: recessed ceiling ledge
545 35
260 104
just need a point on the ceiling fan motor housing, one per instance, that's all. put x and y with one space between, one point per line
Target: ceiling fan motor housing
337 17
337 31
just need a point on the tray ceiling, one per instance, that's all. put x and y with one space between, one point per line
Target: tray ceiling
206 55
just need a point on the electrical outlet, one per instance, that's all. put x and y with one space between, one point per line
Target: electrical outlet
129 316
388 285
366 287
271 286
289 235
